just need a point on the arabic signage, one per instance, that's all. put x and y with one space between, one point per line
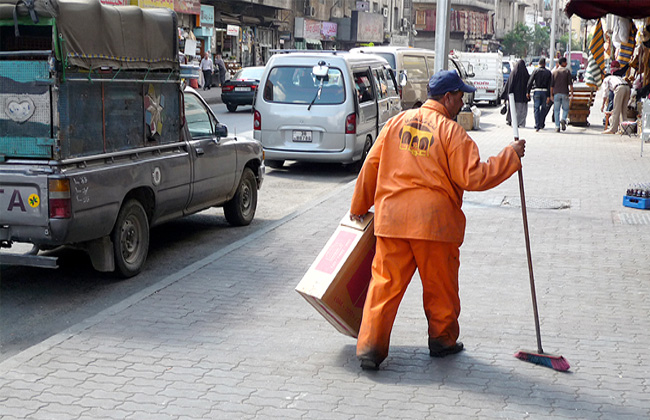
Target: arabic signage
115 2
152 4
189 7
232 30
370 27
207 16
328 31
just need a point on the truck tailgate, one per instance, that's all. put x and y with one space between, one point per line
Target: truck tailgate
23 197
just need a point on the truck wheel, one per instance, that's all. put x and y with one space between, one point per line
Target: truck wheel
275 164
130 238
231 107
240 210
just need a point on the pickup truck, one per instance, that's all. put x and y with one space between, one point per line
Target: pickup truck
99 142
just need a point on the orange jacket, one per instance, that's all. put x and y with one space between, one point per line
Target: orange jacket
416 172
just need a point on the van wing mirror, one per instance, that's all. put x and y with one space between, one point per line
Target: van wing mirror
320 70
470 70
402 78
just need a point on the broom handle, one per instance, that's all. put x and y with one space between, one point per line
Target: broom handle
530 261
515 129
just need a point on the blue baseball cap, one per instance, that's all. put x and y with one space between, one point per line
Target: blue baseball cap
447 81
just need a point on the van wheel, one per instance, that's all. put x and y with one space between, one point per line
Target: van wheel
231 107
240 210
356 167
275 164
130 238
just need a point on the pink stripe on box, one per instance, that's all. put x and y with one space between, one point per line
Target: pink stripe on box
336 251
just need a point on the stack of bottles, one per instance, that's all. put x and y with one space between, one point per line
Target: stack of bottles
638 190
637 196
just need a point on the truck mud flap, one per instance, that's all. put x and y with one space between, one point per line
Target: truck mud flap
29 260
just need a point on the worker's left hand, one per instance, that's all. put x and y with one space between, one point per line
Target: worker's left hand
519 146
356 217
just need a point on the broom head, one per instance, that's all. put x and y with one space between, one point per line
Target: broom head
549 360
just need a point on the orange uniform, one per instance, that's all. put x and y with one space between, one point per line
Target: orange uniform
415 176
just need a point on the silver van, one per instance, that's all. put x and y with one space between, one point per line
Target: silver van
413 68
323 106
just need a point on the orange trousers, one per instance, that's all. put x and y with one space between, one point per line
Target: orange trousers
392 269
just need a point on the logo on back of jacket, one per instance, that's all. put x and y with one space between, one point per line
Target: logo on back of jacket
416 136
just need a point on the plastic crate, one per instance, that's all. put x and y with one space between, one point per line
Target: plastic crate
636 202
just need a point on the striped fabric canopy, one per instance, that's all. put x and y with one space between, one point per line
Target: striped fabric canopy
596 62
627 48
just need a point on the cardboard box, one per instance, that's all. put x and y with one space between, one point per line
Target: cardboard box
337 282
466 120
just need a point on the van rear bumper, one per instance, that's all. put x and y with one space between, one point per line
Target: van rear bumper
344 156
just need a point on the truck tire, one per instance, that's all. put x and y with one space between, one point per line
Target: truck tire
240 210
130 238
231 107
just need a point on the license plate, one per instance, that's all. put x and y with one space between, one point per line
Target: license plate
242 89
302 136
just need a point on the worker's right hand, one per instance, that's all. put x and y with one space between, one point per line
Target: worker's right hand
519 146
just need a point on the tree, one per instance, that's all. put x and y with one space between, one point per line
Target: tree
540 39
564 40
516 41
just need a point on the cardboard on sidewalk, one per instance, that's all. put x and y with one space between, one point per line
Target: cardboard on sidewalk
337 282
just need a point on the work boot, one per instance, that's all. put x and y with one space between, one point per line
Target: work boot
368 364
563 124
438 350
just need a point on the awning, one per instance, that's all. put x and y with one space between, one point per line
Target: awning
313 41
594 9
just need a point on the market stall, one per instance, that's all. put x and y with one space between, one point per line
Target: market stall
633 53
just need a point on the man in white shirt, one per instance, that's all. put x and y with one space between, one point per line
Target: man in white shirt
206 67
621 89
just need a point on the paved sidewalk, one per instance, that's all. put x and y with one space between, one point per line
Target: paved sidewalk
211 96
229 338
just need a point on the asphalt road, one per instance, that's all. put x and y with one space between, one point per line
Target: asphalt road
38 303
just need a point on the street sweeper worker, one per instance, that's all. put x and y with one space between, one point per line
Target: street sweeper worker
415 176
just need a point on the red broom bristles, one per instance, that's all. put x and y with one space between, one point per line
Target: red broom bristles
554 362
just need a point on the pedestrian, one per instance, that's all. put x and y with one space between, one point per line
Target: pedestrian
540 84
207 68
561 86
415 176
517 84
221 66
618 104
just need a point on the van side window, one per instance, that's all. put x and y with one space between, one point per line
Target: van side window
364 87
415 67
198 118
382 85
431 64
297 85
391 82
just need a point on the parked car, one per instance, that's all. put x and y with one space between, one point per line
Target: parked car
323 106
413 68
241 89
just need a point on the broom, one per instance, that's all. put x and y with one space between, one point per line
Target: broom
539 358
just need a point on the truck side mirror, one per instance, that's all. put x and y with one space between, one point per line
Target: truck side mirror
470 71
221 130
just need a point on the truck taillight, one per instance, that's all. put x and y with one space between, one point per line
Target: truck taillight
257 120
351 124
59 200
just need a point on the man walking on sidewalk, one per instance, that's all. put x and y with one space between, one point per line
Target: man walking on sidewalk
206 67
540 84
561 85
415 176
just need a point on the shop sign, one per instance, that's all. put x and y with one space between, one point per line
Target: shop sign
328 31
115 2
189 7
285 35
207 16
232 30
153 4
370 27
312 29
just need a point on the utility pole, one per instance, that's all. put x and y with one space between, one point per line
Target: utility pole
551 50
443 12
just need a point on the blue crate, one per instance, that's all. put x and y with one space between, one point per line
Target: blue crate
636 202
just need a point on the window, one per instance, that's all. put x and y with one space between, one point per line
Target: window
382 85
431 64
297 85
392 82
415 67
199 120
364 87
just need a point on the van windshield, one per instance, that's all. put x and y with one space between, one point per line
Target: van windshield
388 56
297 85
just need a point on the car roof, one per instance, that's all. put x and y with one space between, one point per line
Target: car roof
308 57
